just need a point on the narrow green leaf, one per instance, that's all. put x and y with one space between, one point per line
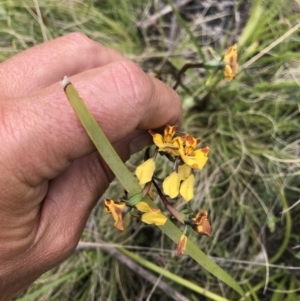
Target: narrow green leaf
131 185
100 141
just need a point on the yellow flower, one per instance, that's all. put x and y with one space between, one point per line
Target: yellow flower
172 187
194 158
116 210
181 245
201 223
171 184
184 171
187 187
151 215
165 142
144 172
230 58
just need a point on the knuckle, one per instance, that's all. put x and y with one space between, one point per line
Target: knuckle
80 44
132 84
78 39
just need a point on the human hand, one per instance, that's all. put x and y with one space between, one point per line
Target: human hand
51 176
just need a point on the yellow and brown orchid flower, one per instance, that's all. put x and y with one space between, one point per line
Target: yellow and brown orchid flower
196 159
230 59
117 212
181 244
201 223
165 142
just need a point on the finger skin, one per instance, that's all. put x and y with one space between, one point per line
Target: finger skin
121 97
47 63
63 215
51 176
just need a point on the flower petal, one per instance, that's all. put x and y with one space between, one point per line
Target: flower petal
197 160
165 143
144 172
116 210
190 142
157 139
171 185
228 73
151 215
143 207
187 188
201 223
169 133
230 58
156 218
184 171
181 245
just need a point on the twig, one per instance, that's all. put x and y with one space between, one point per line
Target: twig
182 70
168 290
166 10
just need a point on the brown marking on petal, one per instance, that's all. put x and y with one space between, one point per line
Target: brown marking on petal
200 215
234 66
183 137
156 210
181 245
205 150
190 139
171 150
118 210
202 224
195 166
204 229
170 129
230 58
169 132
228 73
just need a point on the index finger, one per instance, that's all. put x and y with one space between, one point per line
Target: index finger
45 64
122 99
